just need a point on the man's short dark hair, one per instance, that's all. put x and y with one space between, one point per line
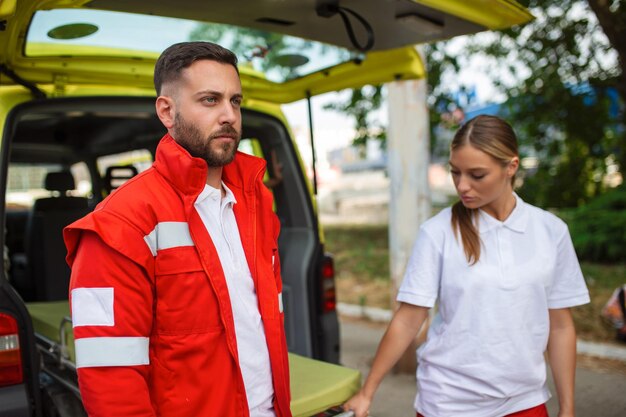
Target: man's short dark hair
181 55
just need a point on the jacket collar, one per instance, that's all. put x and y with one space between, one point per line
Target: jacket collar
517 220
188 174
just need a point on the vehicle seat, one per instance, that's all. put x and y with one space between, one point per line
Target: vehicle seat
48 273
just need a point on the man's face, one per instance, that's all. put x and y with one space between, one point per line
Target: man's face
207 120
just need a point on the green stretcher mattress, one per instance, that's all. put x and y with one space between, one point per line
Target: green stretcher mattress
315 385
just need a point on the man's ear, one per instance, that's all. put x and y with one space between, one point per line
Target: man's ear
166 110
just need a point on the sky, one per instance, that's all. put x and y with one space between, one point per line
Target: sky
331 129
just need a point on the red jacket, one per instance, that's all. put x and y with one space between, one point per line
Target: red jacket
153 324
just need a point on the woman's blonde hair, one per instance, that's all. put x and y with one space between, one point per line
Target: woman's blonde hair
496 138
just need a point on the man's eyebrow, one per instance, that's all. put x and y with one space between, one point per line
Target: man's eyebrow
216 93
209 93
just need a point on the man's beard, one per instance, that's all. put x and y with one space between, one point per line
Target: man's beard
191 138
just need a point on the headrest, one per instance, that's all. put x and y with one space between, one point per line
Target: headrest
59 181
116 175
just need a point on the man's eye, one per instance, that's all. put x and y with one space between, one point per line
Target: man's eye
210 100
236 101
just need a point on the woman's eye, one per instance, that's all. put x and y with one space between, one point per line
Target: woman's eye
478 177
454 172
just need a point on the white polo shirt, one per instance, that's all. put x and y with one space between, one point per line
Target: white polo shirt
254 360
484 354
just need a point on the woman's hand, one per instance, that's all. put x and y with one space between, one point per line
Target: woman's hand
359 404
402 330
566 413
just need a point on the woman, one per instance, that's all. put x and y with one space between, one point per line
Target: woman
505 274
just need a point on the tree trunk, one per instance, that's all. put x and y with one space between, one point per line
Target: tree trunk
613 23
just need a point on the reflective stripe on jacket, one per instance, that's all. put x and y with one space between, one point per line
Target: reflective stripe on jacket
152 317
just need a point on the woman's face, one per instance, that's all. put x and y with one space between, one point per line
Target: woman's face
479 179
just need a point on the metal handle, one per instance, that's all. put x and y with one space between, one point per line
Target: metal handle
63 349
345 414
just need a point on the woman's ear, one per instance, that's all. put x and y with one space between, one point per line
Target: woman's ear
513 166
166 110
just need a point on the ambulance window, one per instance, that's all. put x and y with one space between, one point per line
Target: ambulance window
82 179
141 159
26 183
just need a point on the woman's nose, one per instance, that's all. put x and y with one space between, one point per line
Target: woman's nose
463 184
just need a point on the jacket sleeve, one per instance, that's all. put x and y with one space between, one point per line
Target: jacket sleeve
283 336
111 302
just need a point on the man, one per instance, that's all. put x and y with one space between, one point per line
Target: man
175 289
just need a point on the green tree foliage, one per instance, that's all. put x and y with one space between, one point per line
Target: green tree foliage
561 65
441 100
598 229
361 103
554 72
267 48
611 15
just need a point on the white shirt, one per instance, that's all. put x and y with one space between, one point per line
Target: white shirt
254 361
483 356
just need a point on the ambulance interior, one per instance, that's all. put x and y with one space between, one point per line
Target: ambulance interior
67 154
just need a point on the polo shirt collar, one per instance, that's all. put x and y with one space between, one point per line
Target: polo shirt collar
215 194
517 220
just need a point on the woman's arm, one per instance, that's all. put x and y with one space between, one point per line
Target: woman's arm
402 330
562 357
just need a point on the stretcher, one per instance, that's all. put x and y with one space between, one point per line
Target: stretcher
316 387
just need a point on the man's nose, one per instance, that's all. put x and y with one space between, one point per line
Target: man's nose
229 114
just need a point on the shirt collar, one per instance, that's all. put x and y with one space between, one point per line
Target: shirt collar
517 220
216 194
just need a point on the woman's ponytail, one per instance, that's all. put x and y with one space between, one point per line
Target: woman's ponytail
463 223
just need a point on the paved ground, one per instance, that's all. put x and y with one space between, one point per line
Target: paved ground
598 393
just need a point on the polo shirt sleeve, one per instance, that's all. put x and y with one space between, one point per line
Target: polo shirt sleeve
420 285
568 287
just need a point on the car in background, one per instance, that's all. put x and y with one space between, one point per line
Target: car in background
77 120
